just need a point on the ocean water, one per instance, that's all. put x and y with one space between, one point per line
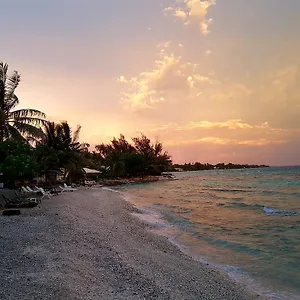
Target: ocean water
246 222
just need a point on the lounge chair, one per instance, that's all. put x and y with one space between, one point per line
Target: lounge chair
20 197
45 194
17 203
67 188
31 190
25 190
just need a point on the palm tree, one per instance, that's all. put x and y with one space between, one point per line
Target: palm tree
60 149
20 124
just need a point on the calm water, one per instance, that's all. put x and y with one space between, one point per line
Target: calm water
246 222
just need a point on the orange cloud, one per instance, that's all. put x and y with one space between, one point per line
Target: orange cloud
170 76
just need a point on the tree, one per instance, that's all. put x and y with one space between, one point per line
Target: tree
134 164
20 124
60 149
141 158
111 155
16 162
156 160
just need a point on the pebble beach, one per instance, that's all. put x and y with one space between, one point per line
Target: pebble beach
88 245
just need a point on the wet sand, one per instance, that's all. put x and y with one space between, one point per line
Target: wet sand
87 245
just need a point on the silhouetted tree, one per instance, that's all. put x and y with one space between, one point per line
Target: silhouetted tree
19 124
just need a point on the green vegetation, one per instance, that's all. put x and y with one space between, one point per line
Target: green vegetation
123 159
31 146
16 161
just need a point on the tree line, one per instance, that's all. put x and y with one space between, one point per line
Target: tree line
220 166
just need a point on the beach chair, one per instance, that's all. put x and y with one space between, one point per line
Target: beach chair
67 188
45 194
24 190
20 197
19 203
31 190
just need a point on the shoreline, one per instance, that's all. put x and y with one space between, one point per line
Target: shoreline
161 227
87 245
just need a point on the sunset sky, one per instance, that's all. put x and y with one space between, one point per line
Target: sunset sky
215 81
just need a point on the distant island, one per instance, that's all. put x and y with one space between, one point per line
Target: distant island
197 166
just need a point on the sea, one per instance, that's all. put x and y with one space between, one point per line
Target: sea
245 222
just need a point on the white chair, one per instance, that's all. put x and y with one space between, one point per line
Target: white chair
31 190
45 194
24 189
67 188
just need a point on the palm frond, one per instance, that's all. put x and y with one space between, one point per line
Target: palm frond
10 102
76 134
4 133
3 72
28 129
11 84
3 75
66 134
28 120
27 113
50 133
14 133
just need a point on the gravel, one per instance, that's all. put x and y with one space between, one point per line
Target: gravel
87 245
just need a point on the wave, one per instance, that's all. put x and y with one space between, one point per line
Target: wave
150 217
279 212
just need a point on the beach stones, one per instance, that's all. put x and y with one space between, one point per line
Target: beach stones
11 212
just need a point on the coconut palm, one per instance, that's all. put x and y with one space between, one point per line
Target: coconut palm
60 137
60 149
19 124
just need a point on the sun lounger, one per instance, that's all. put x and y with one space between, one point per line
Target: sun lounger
45 194
19 197
66 188
24 189
17 203
31 190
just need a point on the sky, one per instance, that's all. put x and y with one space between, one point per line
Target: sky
214 81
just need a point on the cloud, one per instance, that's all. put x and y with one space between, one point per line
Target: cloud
122 79
169 77
193 12
225 141
232 124
230 132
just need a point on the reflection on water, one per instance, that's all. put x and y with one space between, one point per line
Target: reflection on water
248 219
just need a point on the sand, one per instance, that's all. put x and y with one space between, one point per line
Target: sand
87 245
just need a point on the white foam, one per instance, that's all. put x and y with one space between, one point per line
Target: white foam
273 211
152 219
145 214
